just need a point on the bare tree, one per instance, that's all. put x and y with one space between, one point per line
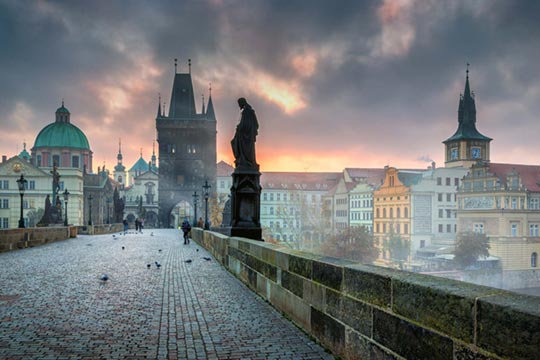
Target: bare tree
470 246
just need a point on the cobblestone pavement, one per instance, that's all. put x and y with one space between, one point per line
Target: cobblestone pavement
53 304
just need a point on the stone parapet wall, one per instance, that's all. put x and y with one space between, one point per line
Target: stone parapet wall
366 312
100 229
13 239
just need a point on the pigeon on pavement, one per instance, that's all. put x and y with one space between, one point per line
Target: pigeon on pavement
104 277
207 258
188 261
148 266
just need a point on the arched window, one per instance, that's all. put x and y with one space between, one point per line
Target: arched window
391 213
384 213
406 212
398 213
378 213
534 257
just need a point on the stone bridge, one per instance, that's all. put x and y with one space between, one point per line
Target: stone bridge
53 305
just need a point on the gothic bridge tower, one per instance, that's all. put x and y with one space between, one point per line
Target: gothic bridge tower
186 147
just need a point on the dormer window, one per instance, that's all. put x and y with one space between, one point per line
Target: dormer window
476 153
454 153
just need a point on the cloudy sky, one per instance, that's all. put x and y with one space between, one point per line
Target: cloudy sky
334 83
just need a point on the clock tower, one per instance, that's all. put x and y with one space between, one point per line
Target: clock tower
467 145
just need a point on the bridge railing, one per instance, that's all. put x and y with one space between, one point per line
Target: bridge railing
367 312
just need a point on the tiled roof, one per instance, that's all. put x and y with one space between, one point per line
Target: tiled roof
314 181
224 169
530 174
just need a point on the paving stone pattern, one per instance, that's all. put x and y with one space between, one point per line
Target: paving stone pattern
53 304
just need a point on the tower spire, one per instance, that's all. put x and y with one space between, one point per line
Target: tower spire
189 66
159 105
203 111
175 65
210 114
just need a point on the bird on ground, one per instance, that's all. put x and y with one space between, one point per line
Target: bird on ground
207 258
148 266
188 261
159 250
104 277
123 248
197 249
151 234
158 265
114 236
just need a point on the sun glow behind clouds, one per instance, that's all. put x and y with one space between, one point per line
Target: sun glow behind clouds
285 95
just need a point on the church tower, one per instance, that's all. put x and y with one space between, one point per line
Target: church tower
186 147
119 172
467 145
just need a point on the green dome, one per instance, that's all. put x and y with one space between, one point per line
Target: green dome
61 134
62 109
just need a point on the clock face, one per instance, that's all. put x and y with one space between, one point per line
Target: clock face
475 153
17 167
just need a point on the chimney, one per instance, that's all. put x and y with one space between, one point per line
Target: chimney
433 165
4 158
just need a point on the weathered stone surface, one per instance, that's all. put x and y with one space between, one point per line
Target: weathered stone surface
266 269
358 347
328 330
328 274
282 260
237 254
269 256
301 266
509 325
298 310
442 304
293 283
315 294
464 353
369 284
409 340
356 314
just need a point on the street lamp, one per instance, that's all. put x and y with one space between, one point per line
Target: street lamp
195 199
66 197
90 198
206 186
22 186
108 210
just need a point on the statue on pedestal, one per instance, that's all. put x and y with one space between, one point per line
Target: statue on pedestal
243 143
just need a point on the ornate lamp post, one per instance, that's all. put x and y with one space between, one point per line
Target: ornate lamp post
195 200
206 187
66 197
108 210
90 198
22 186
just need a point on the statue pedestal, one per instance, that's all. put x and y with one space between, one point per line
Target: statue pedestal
246 204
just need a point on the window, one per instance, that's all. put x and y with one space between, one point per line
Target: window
378 213
264 197
377 227
25 204
31 185
448 214
406 212
398 228
439 181
440 228
4 204
439 197
56 160
478 228
391 213
384 213
533 229
38 161
534 203
454 153
448 197
422 243
75 161
4 184
271 210
285 197
406 228
271 196
278 197
4 223
448 228
271 224
441 213
514 203
456 182
384 228
398 213
448 181
534 258
514 229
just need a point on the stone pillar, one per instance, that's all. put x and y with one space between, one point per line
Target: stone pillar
246 204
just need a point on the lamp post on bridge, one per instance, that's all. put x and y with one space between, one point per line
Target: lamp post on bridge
66 197
195 200
206 187
22 186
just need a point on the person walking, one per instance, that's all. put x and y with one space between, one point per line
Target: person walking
186 228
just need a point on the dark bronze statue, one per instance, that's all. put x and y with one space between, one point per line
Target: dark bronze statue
243 143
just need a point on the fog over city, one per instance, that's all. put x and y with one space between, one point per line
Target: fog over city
335 83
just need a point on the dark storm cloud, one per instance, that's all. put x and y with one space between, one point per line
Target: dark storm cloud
382 70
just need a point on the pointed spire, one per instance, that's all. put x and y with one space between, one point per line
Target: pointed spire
189 66
203 111
159 105
210 114
467 92
175 65
141 151
153 159
164 110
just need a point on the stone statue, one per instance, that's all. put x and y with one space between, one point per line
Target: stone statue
243 143
46 218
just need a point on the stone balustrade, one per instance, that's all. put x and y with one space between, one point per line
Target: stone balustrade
367 312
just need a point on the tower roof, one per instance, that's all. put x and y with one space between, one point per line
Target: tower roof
467 117
62 133
182 102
